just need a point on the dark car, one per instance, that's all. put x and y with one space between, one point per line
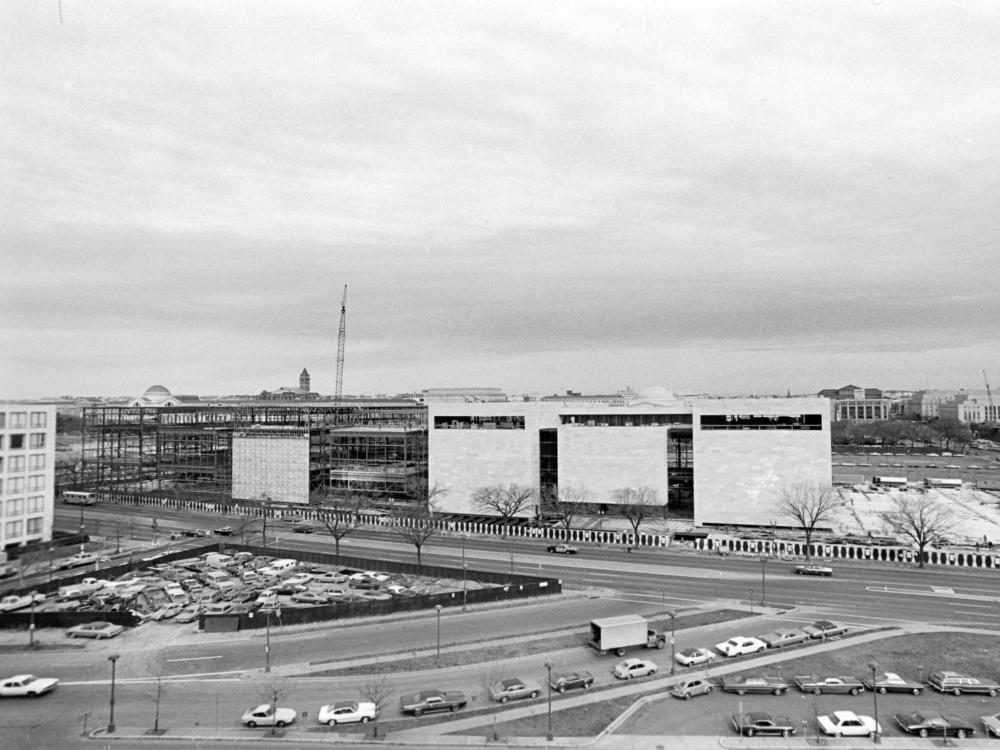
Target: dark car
223 531
563 681
891 682
817 685
563 549
753 723
303 528
930 724
825 629
754 684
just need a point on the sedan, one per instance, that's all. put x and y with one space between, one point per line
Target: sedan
626 670
563 549
345 712
825 629
848 724
757 722
563 681
890 682
784 637
754 684
690 657
813 570
27 686
817 685
740 645
310 597
929 724
512 688
97 629
223 531
264 716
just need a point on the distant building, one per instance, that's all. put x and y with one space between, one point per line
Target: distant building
970 408
924 405
27 472
463 395
853 404
302 392
157 395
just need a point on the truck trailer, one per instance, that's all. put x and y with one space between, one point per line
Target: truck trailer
618 634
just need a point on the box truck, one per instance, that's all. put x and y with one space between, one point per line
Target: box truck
620 633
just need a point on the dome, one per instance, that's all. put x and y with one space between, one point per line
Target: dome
156 390
655 394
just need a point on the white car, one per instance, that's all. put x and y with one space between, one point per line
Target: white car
27 686
264 716
740 645
14 601
80 558
345 712
626 670
299 579
848 724
690 657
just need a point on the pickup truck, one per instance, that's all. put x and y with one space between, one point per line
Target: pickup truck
425 701
80 589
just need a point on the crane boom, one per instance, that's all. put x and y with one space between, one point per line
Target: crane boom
341 338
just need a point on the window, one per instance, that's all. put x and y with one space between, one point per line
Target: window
16 464
18 419
15 485
14 529
36 462
36 440
38 418
17 441
34 526
36 482
36 504
3 419
15 507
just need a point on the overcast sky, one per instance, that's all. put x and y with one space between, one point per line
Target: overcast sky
744 197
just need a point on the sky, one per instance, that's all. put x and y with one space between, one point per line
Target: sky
714 197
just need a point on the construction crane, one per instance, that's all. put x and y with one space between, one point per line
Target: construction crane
993 417
341 337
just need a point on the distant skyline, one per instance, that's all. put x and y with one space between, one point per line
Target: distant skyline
717 197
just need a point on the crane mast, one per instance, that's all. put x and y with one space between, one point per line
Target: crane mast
341 337
994 417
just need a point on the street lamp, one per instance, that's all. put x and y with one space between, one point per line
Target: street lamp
750 599
548 682
31 624
672 654
465 537
873 665
763 579
111 720
437 608
267 638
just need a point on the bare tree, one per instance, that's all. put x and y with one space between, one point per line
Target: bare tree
920 519
506 501
340 524
158 692
808 505
376 689
493 679
273 690
568 503
415 524
635 505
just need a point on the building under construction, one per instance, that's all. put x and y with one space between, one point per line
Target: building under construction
296 452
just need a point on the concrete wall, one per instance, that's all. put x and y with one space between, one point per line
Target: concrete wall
607 459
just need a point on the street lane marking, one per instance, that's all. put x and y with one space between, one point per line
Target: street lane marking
934 592
197 658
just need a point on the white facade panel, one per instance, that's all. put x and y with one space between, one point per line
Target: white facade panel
271 466
27 472
605 460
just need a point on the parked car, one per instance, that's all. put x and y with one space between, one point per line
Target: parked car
753 723
740 645
80 558
991 724
300 579
691 687
223 531
563 549
931 724
20 601
754 684
813 570
265 716
784 637
310 597
690 657
825 629
188 614
563 681
626 670
957 684
818 685
848 724
98 629
513 688
346 712
27 686
424 701
890 682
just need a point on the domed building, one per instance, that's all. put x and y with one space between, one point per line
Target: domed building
158 396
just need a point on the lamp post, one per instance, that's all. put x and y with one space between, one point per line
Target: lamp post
873 665
31 624
81 528
750 599
465 574
437 608
763 579
111 719
672 654
548 682
267 638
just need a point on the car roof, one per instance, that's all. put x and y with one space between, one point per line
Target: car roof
511 682
345 704
845 714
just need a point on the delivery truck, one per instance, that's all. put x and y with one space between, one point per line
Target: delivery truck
617 634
